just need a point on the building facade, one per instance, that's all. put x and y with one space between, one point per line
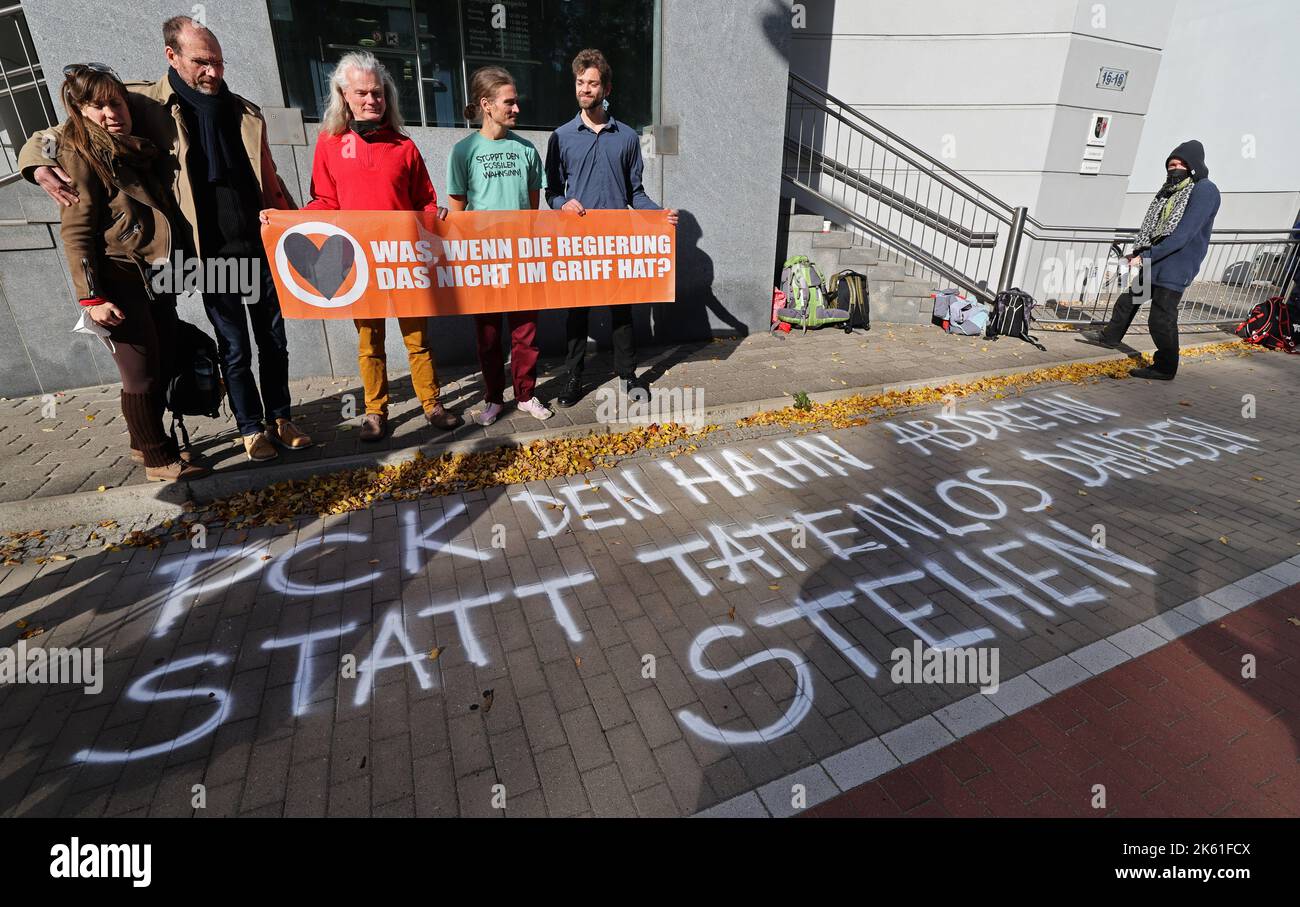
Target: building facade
1065 107
703 82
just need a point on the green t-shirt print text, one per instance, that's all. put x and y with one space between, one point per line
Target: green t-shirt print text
495 175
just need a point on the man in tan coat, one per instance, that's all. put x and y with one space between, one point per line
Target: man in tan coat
221 172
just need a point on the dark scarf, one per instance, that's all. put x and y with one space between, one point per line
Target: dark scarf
367 129
218 123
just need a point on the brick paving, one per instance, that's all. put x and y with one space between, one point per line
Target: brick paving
84 445
659 655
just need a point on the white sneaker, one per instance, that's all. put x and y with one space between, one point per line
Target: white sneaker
537 409
488 414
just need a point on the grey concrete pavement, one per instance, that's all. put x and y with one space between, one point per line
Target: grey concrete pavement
667 637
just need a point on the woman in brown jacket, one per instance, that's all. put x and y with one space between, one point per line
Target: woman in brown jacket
119 224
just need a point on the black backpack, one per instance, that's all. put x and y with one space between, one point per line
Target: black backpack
852 294
1013 312
195 387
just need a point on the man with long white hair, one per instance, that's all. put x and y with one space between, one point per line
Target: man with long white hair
366 162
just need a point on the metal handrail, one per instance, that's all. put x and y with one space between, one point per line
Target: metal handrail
1132 231
912 250
920 213
1004 216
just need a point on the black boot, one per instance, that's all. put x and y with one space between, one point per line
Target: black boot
636 389
1097 338
571 394
1151 374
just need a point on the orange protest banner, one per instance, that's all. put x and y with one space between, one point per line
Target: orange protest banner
383 264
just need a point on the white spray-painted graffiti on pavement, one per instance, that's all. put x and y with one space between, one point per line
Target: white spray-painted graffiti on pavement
987 535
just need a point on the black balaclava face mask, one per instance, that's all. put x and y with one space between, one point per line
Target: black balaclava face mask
1175 176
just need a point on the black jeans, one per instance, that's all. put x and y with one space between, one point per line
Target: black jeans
1162 322
230 316
575 331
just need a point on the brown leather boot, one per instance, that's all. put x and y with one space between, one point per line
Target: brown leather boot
442 420
290 435
258 447
373 426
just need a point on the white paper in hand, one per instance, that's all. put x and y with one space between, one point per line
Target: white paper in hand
86 325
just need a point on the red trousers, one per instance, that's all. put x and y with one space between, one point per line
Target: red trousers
523 354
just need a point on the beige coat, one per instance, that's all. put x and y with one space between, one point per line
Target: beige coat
156 115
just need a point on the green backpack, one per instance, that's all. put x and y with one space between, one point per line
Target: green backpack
803 284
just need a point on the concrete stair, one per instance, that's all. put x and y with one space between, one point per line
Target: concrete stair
895 297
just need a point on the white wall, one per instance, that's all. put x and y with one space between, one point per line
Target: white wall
1228 73
1003 91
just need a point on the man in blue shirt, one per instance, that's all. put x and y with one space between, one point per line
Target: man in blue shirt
594 161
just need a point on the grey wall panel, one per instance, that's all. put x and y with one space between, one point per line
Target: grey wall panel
1083 69
730 109
36 285
949 71
1071 199
128 37
11 201
1141 22
17 372
953 17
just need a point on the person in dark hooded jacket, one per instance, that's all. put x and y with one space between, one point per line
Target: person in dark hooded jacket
1170 246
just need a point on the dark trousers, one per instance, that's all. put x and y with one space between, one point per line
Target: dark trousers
230 316
575 329
1162 322
523 355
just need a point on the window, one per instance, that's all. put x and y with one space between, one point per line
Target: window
432 46
24 103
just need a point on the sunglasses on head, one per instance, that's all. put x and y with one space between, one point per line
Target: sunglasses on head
73 68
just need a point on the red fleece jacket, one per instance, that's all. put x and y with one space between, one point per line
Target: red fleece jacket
386 173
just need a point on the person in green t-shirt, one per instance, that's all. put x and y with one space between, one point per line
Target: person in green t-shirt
495 170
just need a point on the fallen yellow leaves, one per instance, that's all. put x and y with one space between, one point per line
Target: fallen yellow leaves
856 409
342 492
